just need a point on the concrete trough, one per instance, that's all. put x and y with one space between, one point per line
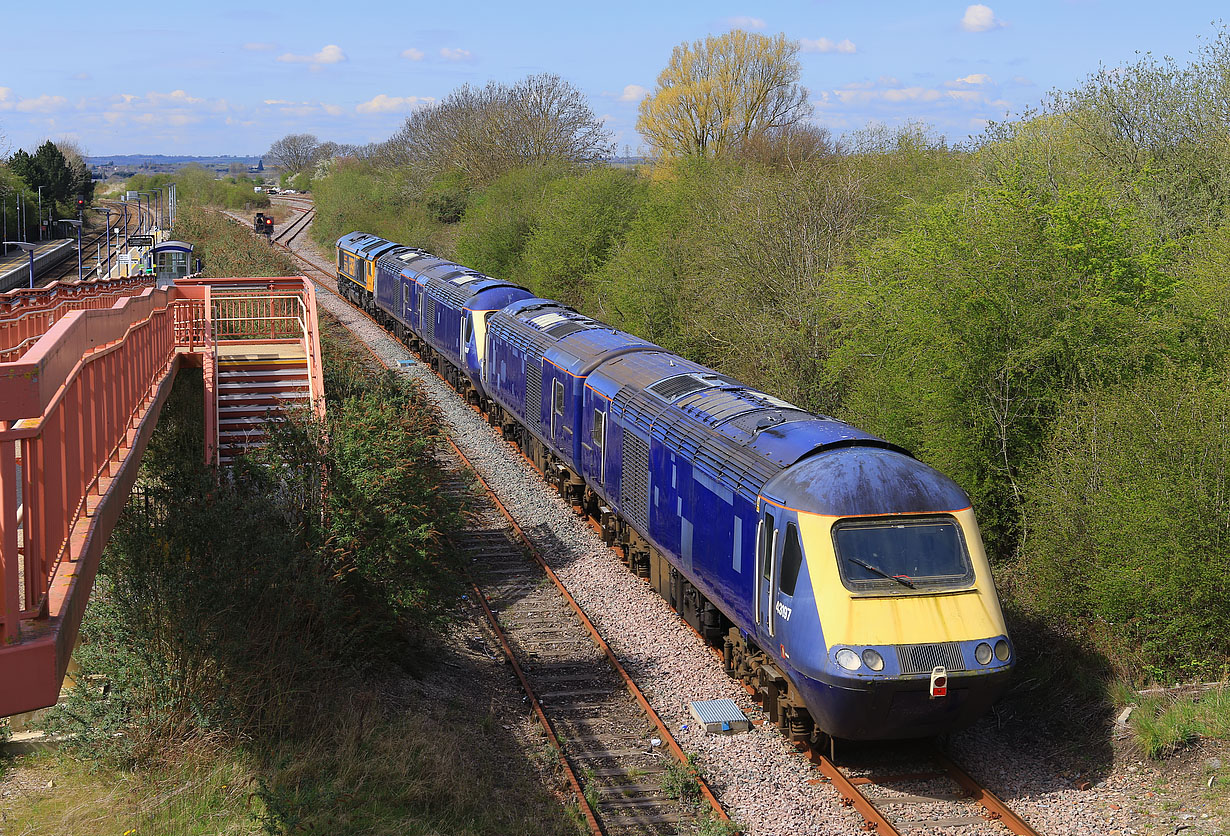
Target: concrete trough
719 716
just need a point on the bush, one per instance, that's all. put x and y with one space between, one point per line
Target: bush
578 222
357 196
1132 510
499 222
963 336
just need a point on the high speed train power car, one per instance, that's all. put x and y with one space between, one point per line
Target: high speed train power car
843 579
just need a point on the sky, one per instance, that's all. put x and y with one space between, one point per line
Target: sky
219 77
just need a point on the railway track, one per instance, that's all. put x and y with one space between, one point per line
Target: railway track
898 789
291 231
67 269
614 749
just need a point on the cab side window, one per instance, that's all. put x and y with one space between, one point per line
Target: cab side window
557 403
792 560
598 436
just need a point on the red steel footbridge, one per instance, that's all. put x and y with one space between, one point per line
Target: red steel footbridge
85 368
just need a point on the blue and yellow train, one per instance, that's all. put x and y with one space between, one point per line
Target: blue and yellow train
843 579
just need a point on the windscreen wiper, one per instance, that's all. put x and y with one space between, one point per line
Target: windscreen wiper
901 579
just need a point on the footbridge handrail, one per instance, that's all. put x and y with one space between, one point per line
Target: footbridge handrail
76 411
28 313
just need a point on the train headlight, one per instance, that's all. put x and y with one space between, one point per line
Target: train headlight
983 653
1002 651
874 660
848 659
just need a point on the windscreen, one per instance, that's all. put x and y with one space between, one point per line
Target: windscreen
902 555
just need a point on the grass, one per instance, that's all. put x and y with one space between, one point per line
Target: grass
1162 724
209 794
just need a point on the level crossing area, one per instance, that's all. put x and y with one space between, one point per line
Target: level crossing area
85 368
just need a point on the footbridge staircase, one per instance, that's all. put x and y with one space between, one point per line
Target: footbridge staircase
84 371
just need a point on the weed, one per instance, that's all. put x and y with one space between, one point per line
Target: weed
713 826
682 780
590 789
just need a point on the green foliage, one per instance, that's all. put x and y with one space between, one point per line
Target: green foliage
964 334
446 198
63 178
577 223
499 222
357 196
242 619
1163 724
383 512
1134 487
197 186
12 189
682 780
226 249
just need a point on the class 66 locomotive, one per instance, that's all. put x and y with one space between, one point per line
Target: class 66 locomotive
844 580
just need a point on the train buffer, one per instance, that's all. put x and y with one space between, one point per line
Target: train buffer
78 403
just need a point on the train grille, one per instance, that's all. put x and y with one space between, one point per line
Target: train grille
634 481
533 390
921 658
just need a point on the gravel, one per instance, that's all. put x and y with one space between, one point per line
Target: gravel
761 780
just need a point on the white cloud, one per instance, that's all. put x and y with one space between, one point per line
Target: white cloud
391 104
413 54
259 47
449 54
973 80
966 95
632 93
979 18
43 104
330 54
911 94
825 45
5 102
745 22
175 97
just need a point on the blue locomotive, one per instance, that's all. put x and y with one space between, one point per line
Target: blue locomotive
844 580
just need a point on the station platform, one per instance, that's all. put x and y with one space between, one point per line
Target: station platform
15 267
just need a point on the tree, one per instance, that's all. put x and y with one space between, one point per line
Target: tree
49 168
295 152
720 94
485 132
81 182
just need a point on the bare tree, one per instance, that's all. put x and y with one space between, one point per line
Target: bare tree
483 132
294 152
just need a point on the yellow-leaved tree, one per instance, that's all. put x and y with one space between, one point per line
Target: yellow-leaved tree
718 95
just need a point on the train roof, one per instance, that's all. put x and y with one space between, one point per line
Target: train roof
365 244
569 340
858 481
739 435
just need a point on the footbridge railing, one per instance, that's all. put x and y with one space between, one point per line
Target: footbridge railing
28 313
76 412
